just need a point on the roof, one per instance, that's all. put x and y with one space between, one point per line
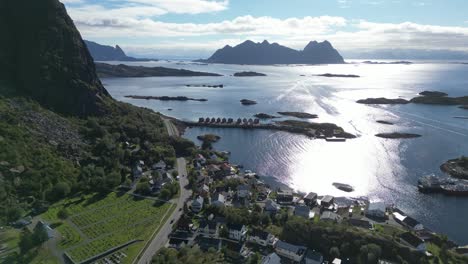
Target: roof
198 199
411 239
302 210
360 223
233 246
311 196
377 206
237 227
298 250
284 193
273 258
177 241
399 216
210 224
314 255
213 168
327 215
259 233
270 205
411 222
243 187
218 198
327 199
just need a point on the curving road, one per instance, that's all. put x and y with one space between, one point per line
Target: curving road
161 238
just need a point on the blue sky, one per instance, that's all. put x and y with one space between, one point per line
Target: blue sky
195 28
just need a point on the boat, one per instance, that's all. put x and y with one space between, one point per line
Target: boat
344 187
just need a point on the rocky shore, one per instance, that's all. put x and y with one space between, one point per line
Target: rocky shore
248 74
397 135
457 168
265 116
166 98
212 138
298 114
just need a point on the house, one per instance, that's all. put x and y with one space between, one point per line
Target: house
290 251
399 217
271 207
243 191
214 170
202 179
197 204
336 261
177 243
137 172
160 165
235 252
360 223
327 201
313 257
204 190
200 159
413 224
237 231
376 210
285 197
330 216
302 211
218 200
310 199
208 228
260 237
273 258
414 241
227 169
205 243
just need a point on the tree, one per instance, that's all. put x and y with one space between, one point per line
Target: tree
63 214
143 188
60 190
334 252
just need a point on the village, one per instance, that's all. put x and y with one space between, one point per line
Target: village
212 219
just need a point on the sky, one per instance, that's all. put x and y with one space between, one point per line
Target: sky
196 28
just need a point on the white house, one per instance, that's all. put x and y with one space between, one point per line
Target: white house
290 251
197 204
273 258
262 238
313 257
376 209
237 232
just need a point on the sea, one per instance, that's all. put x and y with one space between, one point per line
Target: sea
381 169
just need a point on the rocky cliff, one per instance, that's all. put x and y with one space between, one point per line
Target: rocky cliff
43 55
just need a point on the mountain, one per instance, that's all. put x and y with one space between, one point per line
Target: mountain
44 56
265 53
109 53
408 54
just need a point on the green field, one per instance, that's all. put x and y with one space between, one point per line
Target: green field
97 224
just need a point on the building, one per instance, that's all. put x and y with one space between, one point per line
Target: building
361 223
137 172
285 197
330 216
414 241
243 191
201 159
262 238
336 261
313 257
204 190
302 211
290 251
161 165
413 224
376 210
310 199
273 258
218 200
197 204
327 201
177 243
237 231
271 207
208 228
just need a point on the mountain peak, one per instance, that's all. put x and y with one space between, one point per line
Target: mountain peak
265 42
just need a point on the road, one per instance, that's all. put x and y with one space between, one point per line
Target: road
161 238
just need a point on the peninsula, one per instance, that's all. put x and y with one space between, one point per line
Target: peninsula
299 114
397 135
266 53
248 74
105 70
382 100
165 98
426 97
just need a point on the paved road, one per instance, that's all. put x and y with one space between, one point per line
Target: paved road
161 238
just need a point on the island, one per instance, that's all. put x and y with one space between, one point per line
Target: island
330 75
384 122
319 130
299 114
248 102
397 135
108 53
265 116
205 85
433 93
383 100
265 53
165 98
212 138
344 187
457 168
392 62
248 74
105 70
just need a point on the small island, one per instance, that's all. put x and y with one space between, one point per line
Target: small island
166 98
330 75
264 116
433 93
299 114
457 168
212 138
319 130
105 70
397 135
248 102
382 100
344 187
392 62
248 74
384 122
205 85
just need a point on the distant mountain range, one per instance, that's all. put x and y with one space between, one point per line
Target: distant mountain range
108 53
265 53
407 54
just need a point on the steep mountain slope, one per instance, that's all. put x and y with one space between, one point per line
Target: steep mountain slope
265 53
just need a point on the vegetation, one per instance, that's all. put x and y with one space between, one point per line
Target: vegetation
187 255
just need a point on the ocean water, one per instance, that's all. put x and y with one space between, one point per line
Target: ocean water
381 169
